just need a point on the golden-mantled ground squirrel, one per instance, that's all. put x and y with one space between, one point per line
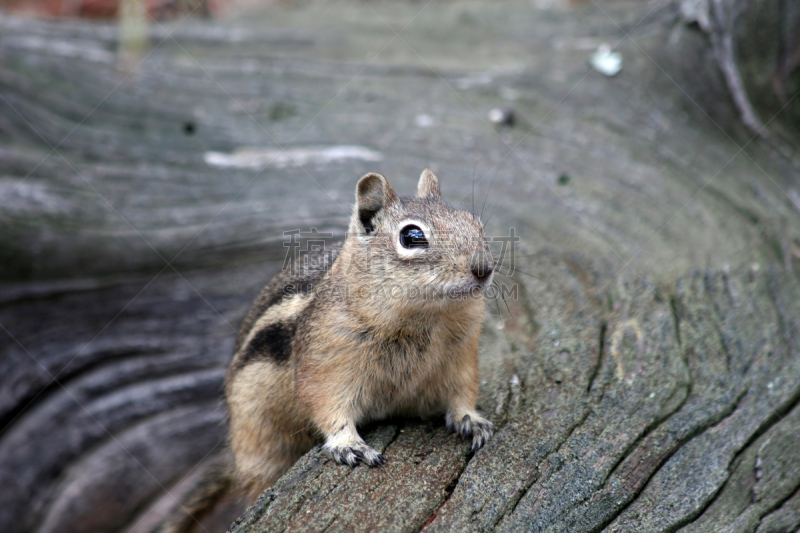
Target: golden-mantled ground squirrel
388 325
391 327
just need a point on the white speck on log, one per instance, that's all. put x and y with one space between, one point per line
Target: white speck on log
605 61
424 121
259 157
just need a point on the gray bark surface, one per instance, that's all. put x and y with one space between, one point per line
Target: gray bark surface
646 379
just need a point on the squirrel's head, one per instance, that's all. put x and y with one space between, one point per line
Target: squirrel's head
416 247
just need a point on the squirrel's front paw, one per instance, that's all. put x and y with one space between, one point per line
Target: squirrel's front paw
354 453
475 425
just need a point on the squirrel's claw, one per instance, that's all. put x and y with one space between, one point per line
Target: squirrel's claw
357 453
477 426
482 430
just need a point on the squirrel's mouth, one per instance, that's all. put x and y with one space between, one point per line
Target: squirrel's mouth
452 291
473 289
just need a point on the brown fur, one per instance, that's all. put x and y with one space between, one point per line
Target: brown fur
374 334
213 486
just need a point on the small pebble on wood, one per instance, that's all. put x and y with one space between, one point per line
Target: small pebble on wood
502 117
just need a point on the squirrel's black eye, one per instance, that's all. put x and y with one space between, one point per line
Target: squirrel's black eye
413 237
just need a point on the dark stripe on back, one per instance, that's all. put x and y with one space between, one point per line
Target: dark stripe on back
272 343
289 286
285 291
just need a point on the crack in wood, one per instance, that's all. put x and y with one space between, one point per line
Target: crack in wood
694 515
768 424
398 426
779 504
676 318
534 478
600 354
696 432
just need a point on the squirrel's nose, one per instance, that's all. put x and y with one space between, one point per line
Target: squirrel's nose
482 270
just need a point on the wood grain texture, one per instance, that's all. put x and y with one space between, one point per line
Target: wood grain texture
645 379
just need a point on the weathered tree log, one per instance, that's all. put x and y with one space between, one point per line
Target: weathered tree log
641 421
647 378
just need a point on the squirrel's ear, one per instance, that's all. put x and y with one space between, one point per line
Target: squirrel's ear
428 185
373 194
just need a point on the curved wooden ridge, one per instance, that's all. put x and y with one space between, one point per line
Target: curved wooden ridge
644 376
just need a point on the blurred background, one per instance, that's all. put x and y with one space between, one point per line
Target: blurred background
153 153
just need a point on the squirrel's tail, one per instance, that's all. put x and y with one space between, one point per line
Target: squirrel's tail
215 484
